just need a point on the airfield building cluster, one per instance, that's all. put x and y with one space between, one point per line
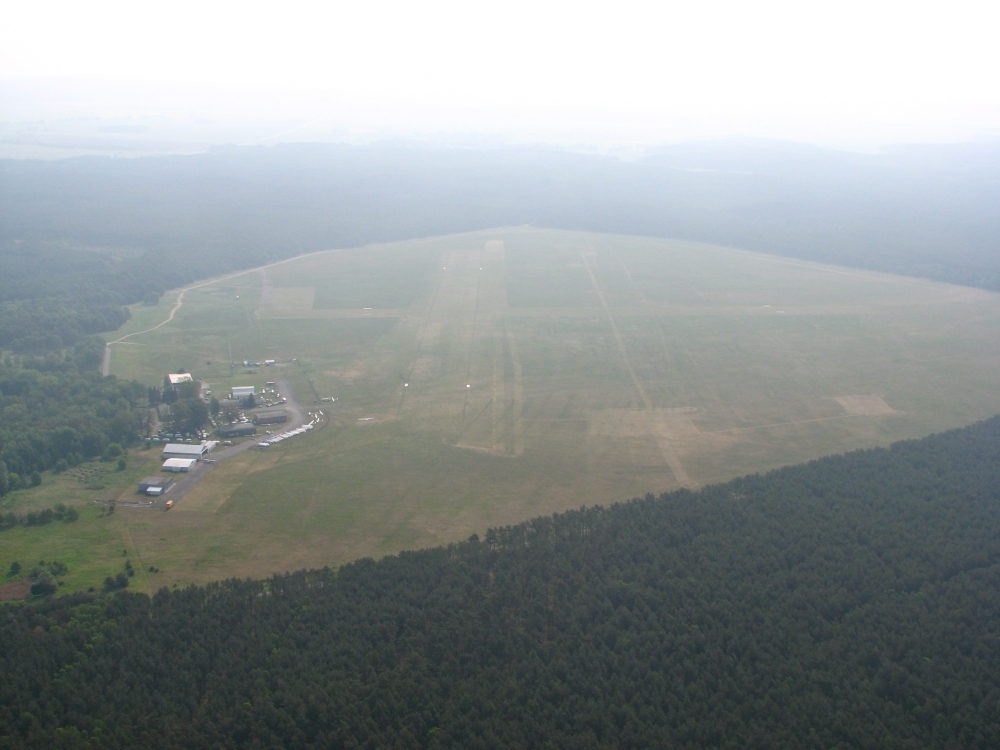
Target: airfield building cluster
181 452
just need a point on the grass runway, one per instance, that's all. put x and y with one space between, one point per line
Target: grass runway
512 373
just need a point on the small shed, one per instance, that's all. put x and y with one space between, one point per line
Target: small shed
155 485
179 464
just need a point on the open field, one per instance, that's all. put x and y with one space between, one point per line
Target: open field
95 545
513 373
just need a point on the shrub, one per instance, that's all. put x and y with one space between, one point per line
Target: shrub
40 518
44 585
58 568
117 583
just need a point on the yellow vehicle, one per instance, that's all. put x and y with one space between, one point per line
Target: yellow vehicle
170 504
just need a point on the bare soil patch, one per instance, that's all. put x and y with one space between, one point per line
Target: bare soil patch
672 430
11 592
864 406
347 374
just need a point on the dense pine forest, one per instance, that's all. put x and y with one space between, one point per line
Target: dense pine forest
847 602
53 296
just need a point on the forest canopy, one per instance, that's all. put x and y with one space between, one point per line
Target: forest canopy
58 408
847 602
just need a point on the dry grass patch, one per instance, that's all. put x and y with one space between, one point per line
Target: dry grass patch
672 431
865 406
290 299
212 492
11 592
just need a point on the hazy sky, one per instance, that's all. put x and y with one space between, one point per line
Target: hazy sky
833 72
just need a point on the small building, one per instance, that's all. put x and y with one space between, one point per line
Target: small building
179 464
275 416
176 379
181 450
243 391
155 486
240 429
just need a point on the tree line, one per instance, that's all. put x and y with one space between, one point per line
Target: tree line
60 512
53 296
849 602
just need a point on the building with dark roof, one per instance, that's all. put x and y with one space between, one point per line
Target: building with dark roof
275 416
155 485
240 429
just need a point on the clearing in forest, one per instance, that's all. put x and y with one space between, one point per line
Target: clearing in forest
519 372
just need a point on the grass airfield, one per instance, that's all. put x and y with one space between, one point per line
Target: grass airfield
511 373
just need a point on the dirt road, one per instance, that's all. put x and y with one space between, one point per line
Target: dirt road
106 364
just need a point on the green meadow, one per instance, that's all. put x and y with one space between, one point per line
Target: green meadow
484 378
95 545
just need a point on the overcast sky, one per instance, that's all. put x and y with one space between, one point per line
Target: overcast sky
845 72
